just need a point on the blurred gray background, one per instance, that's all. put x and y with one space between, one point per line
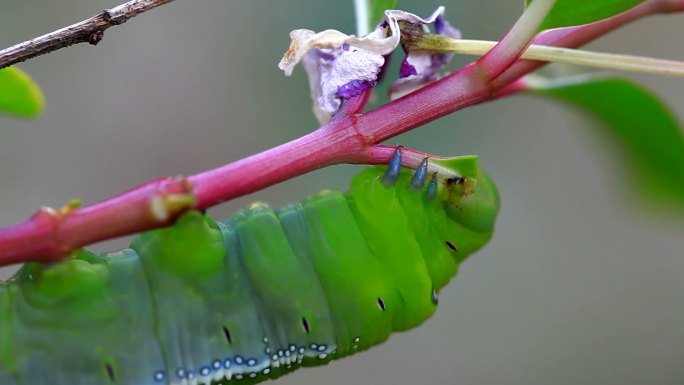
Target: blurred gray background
578 286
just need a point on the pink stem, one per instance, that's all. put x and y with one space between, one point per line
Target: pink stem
351 137
381 154
328 145
50 234
511 47
321 148
573 37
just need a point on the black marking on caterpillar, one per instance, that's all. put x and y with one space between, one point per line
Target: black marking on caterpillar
110 372
381 304
305 325
450 245
226 333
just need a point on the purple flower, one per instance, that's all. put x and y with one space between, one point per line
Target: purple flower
343 66
422 67
339 74
353 88
407 69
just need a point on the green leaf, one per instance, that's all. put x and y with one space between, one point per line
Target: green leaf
644 128
370 12
19 94
574 12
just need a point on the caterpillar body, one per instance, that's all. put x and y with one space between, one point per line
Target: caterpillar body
268 291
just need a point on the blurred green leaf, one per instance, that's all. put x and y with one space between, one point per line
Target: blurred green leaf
574 12
19 94
370 12
650 135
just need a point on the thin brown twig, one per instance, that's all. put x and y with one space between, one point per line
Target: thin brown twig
90 30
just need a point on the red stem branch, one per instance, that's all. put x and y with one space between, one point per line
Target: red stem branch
351 137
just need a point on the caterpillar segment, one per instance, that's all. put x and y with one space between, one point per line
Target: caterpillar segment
252 298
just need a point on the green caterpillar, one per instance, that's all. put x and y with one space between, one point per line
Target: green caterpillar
205 302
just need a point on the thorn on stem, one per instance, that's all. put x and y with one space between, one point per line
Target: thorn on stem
47 212
174 197
114 17
107 15
69 208
165 206
95 37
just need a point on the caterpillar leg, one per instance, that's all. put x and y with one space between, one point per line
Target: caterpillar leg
393 169
418 179
431 192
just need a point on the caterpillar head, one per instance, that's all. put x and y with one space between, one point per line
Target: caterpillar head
471 202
